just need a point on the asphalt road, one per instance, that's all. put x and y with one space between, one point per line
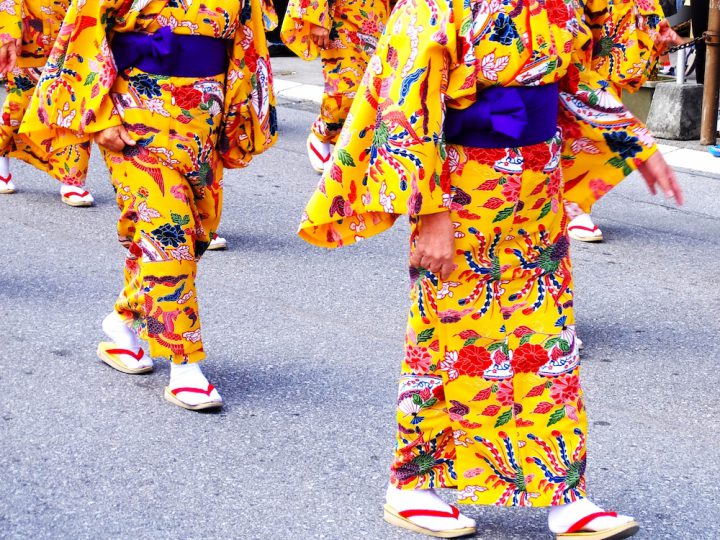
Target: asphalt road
305 345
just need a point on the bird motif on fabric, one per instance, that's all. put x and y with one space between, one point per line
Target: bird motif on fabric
145 161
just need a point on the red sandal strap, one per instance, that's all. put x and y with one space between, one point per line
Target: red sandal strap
431 513
580 524
78 193
583 228
322 158
176 391
7 178
136 355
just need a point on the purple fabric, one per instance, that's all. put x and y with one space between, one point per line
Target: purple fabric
175 55
505 117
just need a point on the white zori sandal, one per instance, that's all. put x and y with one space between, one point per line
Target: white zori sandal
190 389
582 529
6 185
123 352
422 511
74 196
319 153
404 519
582 228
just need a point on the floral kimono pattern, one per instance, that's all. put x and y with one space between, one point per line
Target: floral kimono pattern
354 26
489 400
169 185
37 23
624 52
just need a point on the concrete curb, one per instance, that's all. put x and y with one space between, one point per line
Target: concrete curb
297 91
686 159
683 159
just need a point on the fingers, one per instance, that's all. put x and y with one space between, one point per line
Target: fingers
4 52
657 172
125 137
669 184
12 56
110 140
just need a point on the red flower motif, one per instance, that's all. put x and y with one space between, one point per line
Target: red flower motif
511 189
555 183
418 359
536 156
505 393
187 97
473 361
557 12
251 58
529 358
565 389
486 156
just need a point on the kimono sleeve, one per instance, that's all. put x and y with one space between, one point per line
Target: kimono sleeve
390 155
602 141
11 16
270 18
250 120
72 98
624 36
299 18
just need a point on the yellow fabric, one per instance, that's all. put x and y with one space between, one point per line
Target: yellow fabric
80 73
11 13
354 27
624 54
390 156
40 21
69 164
489 400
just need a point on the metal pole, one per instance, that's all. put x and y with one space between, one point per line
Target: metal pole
680 66
708 128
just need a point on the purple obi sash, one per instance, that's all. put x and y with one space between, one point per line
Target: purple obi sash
505 117
174 55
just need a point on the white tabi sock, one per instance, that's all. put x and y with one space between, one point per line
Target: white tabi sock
119 332
191 376
4 167
561 518
425 499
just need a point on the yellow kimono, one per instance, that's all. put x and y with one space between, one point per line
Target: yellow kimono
169 185
37 23
489 400
354 26
624 53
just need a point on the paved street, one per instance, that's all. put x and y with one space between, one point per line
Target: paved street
305 345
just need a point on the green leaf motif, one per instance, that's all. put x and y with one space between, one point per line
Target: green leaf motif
179 220
556 416
504 418
425 335
470 341
545 209
345 158
430 402
504 214
564 346
417 400
550 343
91 78
466 25
525 339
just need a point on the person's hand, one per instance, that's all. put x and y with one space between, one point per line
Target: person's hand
435 244
319 35
657 172
667 37
114 138
8 55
